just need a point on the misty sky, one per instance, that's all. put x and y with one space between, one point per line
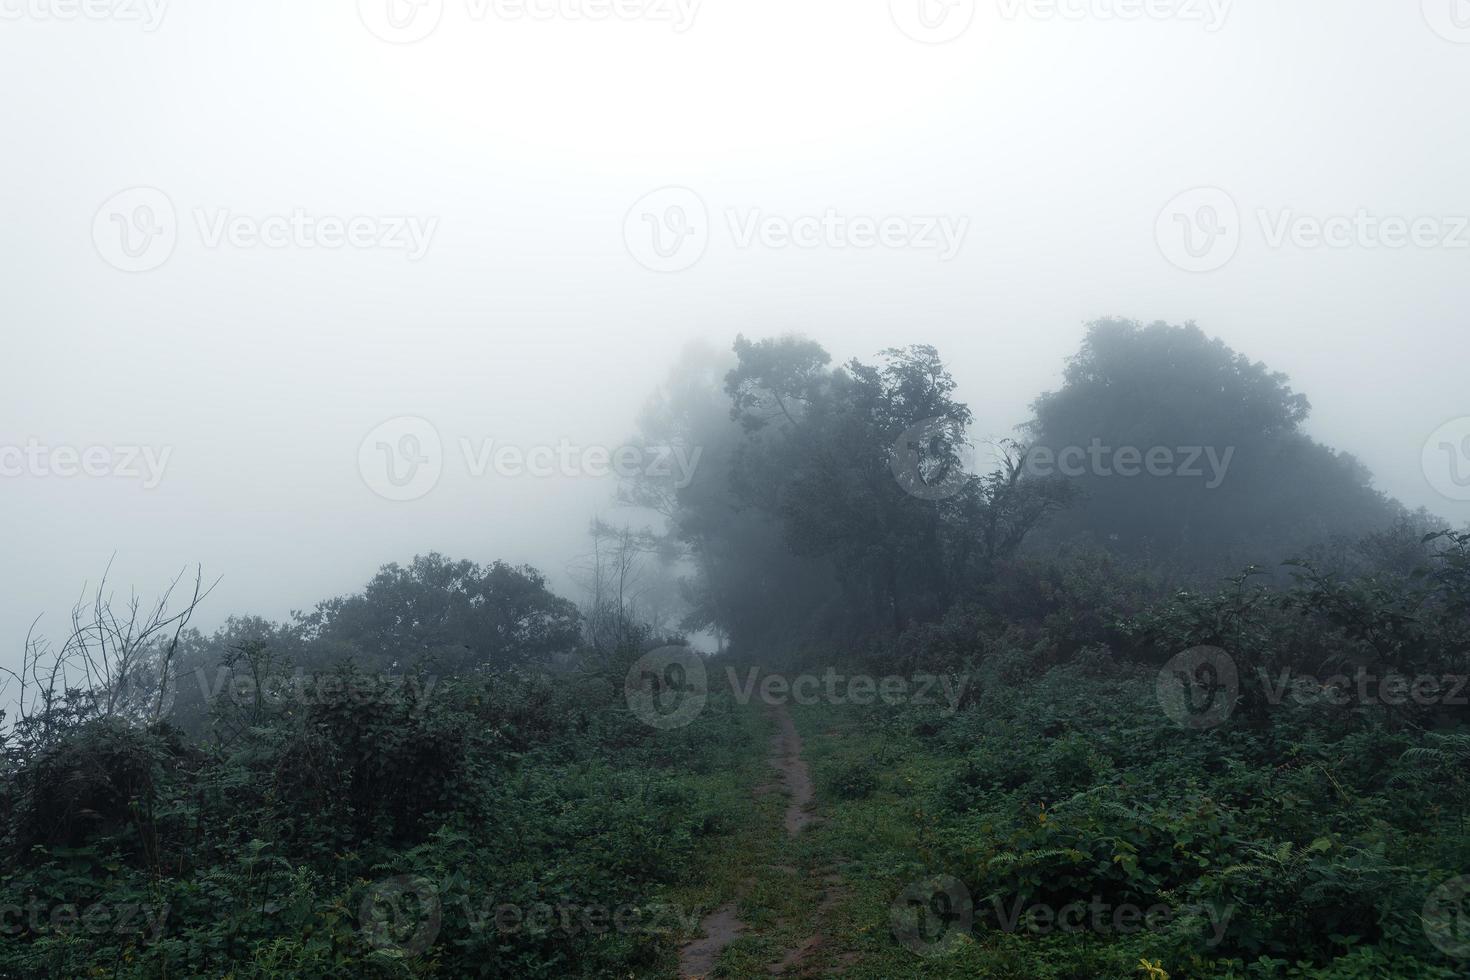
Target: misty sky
492 283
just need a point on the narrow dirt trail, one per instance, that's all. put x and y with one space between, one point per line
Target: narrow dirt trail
723 926
786 748
795 776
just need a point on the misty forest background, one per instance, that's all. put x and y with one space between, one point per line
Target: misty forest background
463 726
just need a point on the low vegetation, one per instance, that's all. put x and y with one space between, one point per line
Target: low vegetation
1137 755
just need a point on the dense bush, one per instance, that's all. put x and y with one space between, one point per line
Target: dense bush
1321 825
317 819
359 792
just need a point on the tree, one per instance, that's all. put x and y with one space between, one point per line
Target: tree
630 582
1243 485
466 616
863 466
118 661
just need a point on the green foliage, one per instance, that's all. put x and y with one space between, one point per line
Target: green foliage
365 790
1173 387
861 467
462 616
1322 827
854 781
312 828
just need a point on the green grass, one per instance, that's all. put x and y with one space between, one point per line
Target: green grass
903 831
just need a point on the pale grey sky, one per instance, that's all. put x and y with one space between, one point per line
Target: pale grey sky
455 236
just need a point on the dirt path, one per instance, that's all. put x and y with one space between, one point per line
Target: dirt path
795 777
723 926
827 884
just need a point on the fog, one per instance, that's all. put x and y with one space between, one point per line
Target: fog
508 153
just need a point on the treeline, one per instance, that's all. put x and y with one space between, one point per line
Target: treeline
341 794
397 783
834 502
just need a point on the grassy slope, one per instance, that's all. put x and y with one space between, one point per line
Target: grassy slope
905 829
